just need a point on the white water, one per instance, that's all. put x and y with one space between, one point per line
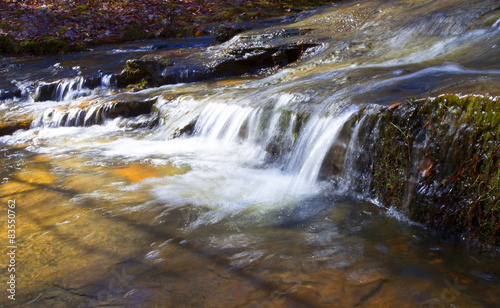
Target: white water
312 145
246 150
230 169
66 89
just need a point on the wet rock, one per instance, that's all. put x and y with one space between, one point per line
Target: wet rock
245 55
436 160
46 92
226 32
10 93
9 127
148 68
186 130
92 82
127 109
249 60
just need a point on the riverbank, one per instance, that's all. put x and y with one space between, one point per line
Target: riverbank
51 27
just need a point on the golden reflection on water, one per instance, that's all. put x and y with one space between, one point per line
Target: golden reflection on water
86 239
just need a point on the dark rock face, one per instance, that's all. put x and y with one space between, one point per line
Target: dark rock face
128 109
54 90
9 94
148 68
247 55
226 32
46 92
437 161
9 127
250 60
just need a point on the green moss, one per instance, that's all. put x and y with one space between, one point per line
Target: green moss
62 29
8 45
18 13
171 4
122 3
64 17
140 85
136 32
450 180
46 46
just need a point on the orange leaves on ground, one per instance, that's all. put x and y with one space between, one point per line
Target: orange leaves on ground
78 22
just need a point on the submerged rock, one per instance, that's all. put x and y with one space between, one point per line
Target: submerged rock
436 160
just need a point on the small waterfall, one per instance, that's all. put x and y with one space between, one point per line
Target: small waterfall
234 123
354 154
56 117
106 80
95 113
72 88
314 142
224 122
271 127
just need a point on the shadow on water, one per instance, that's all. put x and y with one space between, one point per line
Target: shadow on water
154 233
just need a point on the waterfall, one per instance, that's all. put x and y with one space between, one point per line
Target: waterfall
314 142
224 122
106 80
96 112
233 123
353 154
71 88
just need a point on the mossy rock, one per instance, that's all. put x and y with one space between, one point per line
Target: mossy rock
226 32
438 161
8 45
144 72
46 46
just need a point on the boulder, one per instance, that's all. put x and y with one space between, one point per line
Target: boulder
9 127
243 55
435 160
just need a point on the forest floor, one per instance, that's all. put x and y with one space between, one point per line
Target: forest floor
53 26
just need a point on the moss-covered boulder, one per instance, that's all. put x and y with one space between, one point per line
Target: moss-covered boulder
438 161
8 45
146 70
45 46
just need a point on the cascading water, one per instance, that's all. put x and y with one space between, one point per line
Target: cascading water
72 88
253 183
312 146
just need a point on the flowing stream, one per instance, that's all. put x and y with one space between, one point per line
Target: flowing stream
235 192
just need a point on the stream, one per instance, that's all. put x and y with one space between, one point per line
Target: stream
235 192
